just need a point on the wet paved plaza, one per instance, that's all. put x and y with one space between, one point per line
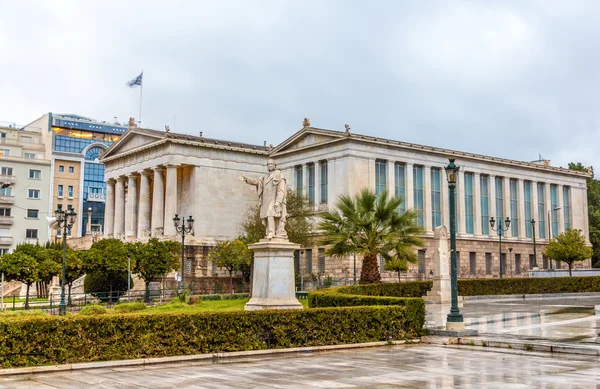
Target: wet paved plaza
413 366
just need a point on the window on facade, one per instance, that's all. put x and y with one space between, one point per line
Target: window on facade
531 261
311 182
214 268
4 231
554 209
488 263
30 156
59 207
32 213
528 209
567 206
324 180
34 194
421 263
472 263
544 262
505 270
5 152
309 261
3 251
400 184
517 263
436 197
60 191
35 174
61 168
485 205
2 134
31 234
7 171
321 260
541 210
93 154
499 203
5 191
5 211
469 204
79 140
380 176
298 175
418 193
514 208
71 169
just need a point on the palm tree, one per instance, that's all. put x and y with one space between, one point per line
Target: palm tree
370 225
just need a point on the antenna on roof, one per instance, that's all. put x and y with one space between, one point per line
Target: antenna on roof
200 134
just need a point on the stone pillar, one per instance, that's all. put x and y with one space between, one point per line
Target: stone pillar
144 209
506 199
548 205
317 186
158 203
120 208
492 199
521 208
477 204
171 200
391 182
132 207
460 204
445 193
409 190
560 214
304 180
427 204
534 208
109 210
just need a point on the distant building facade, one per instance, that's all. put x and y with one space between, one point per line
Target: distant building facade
153 175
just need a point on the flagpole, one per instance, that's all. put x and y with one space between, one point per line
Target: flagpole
141 92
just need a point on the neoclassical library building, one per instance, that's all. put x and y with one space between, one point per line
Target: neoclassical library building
153 175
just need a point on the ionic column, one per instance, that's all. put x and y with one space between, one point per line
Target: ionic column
521 208
560 214
427 204
158 202
506 204
445 193
391 182
171 200
109 209
460 203
477 204
144 209
548 204
120 207
410 187
534 207
317 186
304 180
132 206
492 200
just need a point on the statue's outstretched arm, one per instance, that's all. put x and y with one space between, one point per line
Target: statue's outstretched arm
250 181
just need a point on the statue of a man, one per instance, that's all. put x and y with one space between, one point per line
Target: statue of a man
272 193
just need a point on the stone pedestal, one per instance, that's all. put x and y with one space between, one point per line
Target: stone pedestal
440 293
273 275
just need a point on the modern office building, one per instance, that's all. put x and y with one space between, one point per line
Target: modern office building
73 145
153 175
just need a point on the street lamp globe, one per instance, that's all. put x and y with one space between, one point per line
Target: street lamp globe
176 220
451 171
190 223
507 222
492 222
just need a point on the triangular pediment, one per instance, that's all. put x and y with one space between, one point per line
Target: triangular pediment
132 140
308 137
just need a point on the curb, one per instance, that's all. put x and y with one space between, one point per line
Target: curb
483 298
223 357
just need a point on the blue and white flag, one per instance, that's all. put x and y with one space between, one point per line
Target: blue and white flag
136 81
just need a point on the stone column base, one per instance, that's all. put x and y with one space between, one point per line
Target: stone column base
455 326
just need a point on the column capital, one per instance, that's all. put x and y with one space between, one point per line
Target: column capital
111 181
145 172
121 179
133 175
172 165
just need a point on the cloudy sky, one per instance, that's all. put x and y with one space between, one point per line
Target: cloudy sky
511 79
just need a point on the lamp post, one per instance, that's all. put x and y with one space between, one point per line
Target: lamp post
454 318
550 228
65 221
184 229
534 252
500 229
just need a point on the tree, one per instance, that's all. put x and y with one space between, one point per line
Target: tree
22 267
154 259
109 258
73 264
97 284
396 264
231 256
568 247
370 225
593 194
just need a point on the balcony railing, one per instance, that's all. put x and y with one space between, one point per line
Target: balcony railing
6 220
6 240
8 180
6 199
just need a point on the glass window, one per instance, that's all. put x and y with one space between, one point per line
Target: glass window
31 234
469 204
309 261
499 204
30 156
554 209
5 152
71 169
541 210
7 171
70 192
567 206
298 170
321 260
75 144
400 188
60 191
485 214
380 176
35 174
528 209
324 180
517 263
61 168
34 194
32 213
5 191
514 208
93 153
418 193
531 261
4 211
436 197
488 263
472 263
311 182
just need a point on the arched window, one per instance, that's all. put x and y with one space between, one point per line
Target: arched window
93 153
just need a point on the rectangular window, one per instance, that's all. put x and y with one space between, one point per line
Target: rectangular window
517 263
472 263
505 270
34 194
60 191
7 171
380 176
567 206
30 156
3 251
421 263
528 209
554 209
418 193
214 268
557 264
541 210
485 205
32 213
61 168
311 182
5 191
4 211
35 174
488 263
436 197
71 169
531 261
469 204
499 204
514 208
31 234
321 260
298 173
4 231
5 152
544 262
59 207
324 181
400 184
309 261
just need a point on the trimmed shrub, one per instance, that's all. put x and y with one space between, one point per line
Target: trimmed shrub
212 297
72 339
97 284
92 310
506 286
398 289
130 307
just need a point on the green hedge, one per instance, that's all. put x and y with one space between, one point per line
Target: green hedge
507 286
71 339
401 289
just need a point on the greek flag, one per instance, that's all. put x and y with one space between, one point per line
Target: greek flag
136 81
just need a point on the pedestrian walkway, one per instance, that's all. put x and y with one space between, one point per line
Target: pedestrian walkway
409 366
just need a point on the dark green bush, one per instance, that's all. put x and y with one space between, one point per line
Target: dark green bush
398 289
227 296
506 286
72 339
130 307
97 284
93 310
